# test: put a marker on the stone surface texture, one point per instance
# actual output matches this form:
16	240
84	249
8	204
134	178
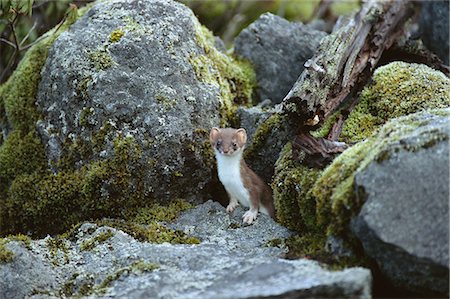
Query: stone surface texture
404	222
434	26
278	50
232	261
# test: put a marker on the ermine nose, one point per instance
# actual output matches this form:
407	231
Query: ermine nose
225	151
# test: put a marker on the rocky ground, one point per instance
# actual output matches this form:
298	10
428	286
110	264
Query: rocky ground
232	261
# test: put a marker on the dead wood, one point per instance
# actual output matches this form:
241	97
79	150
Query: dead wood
342	66
319	152
345	60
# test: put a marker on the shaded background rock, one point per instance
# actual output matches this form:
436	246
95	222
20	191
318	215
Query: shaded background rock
141	71
403	224
434	27
277	49
233	261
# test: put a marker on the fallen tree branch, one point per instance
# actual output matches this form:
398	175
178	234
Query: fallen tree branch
319	151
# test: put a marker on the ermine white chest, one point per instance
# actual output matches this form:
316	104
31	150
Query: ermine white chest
230	176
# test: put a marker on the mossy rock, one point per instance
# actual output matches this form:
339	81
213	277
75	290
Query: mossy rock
97	145
150	72
397	89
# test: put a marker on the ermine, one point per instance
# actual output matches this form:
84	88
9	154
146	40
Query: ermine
242	185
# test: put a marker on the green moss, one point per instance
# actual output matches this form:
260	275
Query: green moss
6	255
116	35
85	114
100	59
135	268
152	232
157	212
21	153
397	89
98	239
22	158
235	78
291	192
57	246
44	203
325	128
272	124
166	102
69	287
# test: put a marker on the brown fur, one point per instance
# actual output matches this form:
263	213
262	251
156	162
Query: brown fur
259	191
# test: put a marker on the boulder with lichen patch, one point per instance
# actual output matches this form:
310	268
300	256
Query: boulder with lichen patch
117	116
403	223
278	50
149	72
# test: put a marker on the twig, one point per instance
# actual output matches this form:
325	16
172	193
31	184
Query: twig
7	42
43	36
28	34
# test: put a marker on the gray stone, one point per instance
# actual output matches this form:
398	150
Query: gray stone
404	222
277	49
26	274
232	261
143	86
251	117
269	139
434	27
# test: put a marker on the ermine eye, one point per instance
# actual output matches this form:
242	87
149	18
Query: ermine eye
234	145
218	144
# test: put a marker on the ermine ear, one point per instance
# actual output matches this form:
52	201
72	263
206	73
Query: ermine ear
241	136
214	135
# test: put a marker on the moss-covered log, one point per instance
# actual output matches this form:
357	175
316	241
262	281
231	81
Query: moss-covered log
345	60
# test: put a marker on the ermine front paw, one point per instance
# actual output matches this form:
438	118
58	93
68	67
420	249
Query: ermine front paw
250	216
231	207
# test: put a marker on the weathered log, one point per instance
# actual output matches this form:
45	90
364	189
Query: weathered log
345	60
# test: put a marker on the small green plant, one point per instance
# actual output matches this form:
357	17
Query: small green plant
98	239
6	255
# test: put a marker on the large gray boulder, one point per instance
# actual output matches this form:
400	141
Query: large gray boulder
232	261
404	222
141	71
278	50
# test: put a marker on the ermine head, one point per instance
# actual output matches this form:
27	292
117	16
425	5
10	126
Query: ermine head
228	141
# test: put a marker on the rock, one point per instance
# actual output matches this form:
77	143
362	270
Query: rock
251	117
434	27
38	273
232	261
404	222
146	72
277	49
270	137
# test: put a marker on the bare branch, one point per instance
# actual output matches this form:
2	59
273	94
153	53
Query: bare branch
7	42
28	34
